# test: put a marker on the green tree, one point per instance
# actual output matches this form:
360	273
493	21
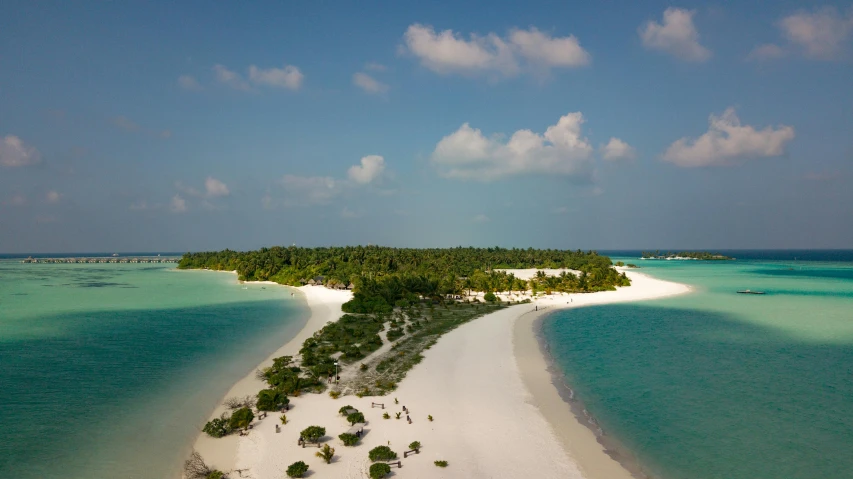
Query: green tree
382	453
218	427
297	469
313	433
415	446
343	411
348	439
490	297
241	418
379	470
355	417
271	400
326	453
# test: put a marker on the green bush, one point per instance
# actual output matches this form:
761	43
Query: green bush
297	469
343	411
415	445
355	417
348	439
218	427
271	400
490	297
241	418
382	453
216	475
327	453
441	463
313	433
379	470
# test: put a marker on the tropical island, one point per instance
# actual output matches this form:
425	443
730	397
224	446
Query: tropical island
376	313
685	255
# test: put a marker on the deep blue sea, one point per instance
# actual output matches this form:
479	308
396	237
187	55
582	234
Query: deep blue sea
720	385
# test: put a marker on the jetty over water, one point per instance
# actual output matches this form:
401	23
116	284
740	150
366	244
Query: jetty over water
106	259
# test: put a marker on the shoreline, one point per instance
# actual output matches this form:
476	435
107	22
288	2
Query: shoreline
324	306
598	455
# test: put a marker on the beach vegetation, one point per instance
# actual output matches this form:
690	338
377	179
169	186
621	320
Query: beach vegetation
440	463
385	415
271	400
348	439
238	402
297	469
326	453
218	427
283	419
241	418
490	297
397	415
313	433
334	394
196	468
429	418
379	470
382	453
343	411
415	446
355	417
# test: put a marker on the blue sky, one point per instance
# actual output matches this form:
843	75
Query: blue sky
128	126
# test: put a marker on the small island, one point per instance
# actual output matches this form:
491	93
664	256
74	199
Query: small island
685	255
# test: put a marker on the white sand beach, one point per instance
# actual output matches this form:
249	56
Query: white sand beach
486	384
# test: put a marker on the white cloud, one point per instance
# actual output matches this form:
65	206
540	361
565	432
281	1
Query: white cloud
543	49
468	154
14	152
215	188
188	82
15	200
368	83
289	77
230	78
616	149
310	189
350	214
447	52
676	36
178	204
820	34
370	168
52	196
140	205
481	219
727	141
768	51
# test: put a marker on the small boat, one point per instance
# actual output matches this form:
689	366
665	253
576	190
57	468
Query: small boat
749	291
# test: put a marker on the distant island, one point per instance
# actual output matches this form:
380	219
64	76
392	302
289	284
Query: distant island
685	255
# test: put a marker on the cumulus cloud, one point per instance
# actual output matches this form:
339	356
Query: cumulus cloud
289	77
188	82
727	141
178	204
469	155
15	153
820	34
369	169
125	123
215	188
368	83
230	78
52	196
481	218
15	200
309	189
616	149
447	52
676	35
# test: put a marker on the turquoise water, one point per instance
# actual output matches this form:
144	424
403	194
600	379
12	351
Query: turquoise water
109	370
715	384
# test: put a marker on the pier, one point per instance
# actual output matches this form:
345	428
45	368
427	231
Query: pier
105	260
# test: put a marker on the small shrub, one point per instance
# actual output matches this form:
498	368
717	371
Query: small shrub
379	470
313	433
343	411
241	418
283	419
297	469
216	475
348	439
441	463
382	453
326	453
397	415
363	367
334	394
430	418
490	297
386	416
355	417
396	401
218	427
415	446
271	400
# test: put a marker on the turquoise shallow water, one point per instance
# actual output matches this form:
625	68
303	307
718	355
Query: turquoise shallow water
109	370
714	384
